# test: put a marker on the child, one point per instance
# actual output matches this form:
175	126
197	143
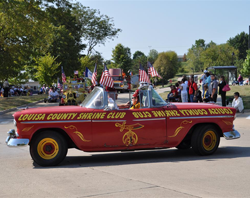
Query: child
205	95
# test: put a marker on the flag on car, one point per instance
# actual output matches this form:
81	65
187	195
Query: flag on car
143	75
75	72
94	76
106	79
88	73
152	72
63	76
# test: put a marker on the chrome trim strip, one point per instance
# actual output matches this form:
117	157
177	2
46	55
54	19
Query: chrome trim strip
108	120
150	119
48	122
199	117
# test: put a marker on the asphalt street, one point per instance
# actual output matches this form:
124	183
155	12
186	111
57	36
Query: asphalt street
157	173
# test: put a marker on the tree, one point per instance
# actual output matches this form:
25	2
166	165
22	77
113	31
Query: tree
152	56
246	65
138	58
24	31
96	28
167	64
240	42
194	54
218	55
89	61
46	69
121	57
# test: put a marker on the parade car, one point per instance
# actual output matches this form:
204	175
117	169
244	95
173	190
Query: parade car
73	93
98	125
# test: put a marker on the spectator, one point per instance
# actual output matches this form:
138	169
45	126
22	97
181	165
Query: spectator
192	89
240	79
184	94
173	94
6	88
213	88
178	91
203	79
221	92
205	95
238	103
208	79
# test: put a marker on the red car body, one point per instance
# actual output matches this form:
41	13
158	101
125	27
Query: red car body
104	129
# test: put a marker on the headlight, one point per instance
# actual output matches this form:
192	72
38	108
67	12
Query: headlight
63	96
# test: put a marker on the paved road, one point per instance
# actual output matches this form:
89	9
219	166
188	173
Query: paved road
158	173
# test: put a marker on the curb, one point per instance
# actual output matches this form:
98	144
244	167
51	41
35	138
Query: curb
15	108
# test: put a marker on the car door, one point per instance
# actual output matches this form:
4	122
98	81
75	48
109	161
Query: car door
107	129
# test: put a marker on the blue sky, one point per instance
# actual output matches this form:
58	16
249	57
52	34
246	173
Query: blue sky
171	25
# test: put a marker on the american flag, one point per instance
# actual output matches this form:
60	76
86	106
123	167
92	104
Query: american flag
94	75
143	75
152	72
106	79
75	72
63	76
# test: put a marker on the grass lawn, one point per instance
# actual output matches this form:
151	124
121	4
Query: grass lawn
244	93
17	101
164	95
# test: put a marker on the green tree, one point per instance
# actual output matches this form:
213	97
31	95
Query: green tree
194	55
121	57
96	28
167	65
24	31
152	56
46	69
246	65
218	55
90	61
138	58
240	42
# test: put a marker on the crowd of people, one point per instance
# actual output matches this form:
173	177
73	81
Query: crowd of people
187	90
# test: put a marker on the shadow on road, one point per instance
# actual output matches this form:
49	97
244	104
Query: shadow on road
156	156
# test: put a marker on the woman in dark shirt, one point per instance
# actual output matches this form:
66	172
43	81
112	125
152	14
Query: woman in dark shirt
222	93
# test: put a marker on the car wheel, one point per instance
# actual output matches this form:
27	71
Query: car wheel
49	148
205	140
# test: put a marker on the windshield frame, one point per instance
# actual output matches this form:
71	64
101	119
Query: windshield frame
91	98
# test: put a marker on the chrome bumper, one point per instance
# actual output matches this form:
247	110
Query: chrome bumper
13	141
231	135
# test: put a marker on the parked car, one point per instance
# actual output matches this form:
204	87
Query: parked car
96	125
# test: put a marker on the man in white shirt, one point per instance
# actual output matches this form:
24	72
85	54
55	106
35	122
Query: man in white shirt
238	103
184	94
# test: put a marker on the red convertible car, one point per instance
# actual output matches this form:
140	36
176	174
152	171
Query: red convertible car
98	125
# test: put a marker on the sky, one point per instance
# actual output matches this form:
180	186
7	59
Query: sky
171	24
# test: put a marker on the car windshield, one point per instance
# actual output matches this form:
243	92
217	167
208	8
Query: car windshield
157	101
95	99
119	78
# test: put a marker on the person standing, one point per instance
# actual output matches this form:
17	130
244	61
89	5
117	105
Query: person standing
203	79
208	79
184	94
192	89
6	88
213	88
221	92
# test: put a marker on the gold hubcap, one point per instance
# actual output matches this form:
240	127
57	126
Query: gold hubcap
47	148
209	140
